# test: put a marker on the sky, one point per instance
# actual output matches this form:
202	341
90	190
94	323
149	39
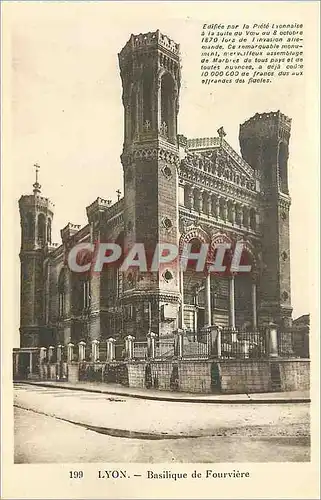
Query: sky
66	110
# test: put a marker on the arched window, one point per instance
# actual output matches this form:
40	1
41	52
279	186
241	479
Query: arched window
196	195
49	231
147	96
133	124
41	228
268	159
283	167
29	226
167	106
222	208
238	214
61	293
186	195
245	216
205	203
231	211
118	275
253	219
86	293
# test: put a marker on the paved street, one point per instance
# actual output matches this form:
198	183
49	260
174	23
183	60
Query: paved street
61	425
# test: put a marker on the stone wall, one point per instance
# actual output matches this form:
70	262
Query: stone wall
195	376
200	377
244	376
136	374
295	375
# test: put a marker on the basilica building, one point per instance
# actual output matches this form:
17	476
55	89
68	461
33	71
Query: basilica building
177	190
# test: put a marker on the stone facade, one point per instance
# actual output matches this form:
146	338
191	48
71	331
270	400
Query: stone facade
176	190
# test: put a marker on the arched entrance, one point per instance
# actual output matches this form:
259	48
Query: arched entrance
193	307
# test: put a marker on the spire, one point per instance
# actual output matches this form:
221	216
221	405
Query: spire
36	185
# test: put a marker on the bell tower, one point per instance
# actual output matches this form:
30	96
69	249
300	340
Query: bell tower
36	214
150	73
264	141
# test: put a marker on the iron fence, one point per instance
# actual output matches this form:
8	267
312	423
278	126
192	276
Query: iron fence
196	345
236	344
293	344
140	350
223	343
165	348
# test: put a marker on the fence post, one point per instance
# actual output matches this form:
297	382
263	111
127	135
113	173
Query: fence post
59	353
50	353
151	350
272	340
95	350
129	346
70	352
43	352
180	343
110	349
215	341
219	342
81	351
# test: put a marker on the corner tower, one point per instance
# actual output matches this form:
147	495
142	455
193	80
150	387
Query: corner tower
150	72
264	141
36	214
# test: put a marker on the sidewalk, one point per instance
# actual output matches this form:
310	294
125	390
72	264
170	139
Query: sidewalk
184	397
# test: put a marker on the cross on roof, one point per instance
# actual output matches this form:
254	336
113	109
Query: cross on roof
118	192
36	185
37	170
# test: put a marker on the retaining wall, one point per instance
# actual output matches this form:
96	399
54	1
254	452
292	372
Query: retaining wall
195	376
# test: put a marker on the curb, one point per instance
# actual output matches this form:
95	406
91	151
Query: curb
249	400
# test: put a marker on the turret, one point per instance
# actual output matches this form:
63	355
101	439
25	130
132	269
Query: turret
264	141
150	72
36	214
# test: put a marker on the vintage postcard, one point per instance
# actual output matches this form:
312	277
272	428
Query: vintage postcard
160	242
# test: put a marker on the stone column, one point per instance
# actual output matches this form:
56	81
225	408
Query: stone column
151	346
181	283
217	207
111	349
233	213
208	314
242	215
246	217
208	204
254	306
191	197
95	350
129	346
70	352
225	210
200	201
232	302
81	351
272	338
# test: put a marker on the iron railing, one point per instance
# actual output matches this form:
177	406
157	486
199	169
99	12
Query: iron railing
293	344
140	350
165	348
236	344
